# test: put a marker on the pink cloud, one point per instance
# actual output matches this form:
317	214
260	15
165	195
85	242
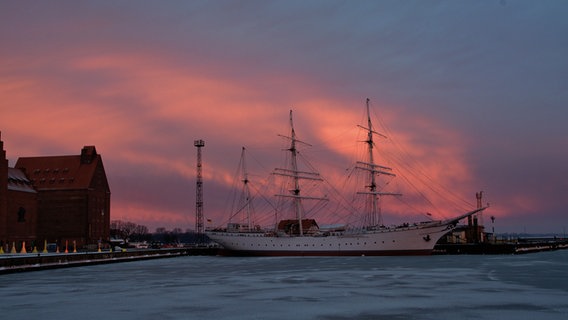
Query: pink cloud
141	110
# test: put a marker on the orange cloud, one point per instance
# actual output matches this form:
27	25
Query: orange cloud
146	112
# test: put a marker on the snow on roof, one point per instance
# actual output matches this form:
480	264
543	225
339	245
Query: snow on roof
17	181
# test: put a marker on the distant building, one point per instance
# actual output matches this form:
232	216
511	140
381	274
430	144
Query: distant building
58	199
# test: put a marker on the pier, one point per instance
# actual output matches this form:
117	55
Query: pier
20	262
514	246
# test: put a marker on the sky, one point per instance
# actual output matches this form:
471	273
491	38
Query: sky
473	93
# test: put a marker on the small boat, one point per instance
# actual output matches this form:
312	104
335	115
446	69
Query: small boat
303	236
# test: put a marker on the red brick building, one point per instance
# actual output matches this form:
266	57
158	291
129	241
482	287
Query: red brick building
57	199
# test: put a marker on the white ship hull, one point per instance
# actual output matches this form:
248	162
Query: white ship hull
417	240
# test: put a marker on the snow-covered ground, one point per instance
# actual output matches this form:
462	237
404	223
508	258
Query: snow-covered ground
533	286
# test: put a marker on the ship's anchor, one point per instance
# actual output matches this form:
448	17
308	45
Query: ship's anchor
427	238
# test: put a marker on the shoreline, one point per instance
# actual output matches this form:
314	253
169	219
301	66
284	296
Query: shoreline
25	262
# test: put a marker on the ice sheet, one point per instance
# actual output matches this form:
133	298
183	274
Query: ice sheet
532	286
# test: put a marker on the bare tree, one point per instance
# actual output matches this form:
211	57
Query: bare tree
126	229
141	230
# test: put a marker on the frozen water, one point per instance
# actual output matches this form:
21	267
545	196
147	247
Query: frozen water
532	286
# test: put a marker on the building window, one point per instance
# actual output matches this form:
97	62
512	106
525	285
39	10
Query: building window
21	215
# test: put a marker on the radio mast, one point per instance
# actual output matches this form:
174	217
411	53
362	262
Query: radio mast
199	193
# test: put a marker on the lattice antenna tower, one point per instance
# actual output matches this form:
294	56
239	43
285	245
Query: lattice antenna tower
199	228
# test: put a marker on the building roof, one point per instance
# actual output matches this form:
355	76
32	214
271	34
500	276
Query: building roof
293	225
61	172
17	181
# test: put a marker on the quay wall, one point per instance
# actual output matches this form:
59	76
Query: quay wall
517	247
11	263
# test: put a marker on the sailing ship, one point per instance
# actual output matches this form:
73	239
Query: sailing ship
302	236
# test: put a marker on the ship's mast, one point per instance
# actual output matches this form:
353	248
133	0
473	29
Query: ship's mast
296	176
296	190
374	214
246	191
375	217
242	204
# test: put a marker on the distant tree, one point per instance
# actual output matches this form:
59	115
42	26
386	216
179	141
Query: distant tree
126	230
141	230
165	236
141	234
